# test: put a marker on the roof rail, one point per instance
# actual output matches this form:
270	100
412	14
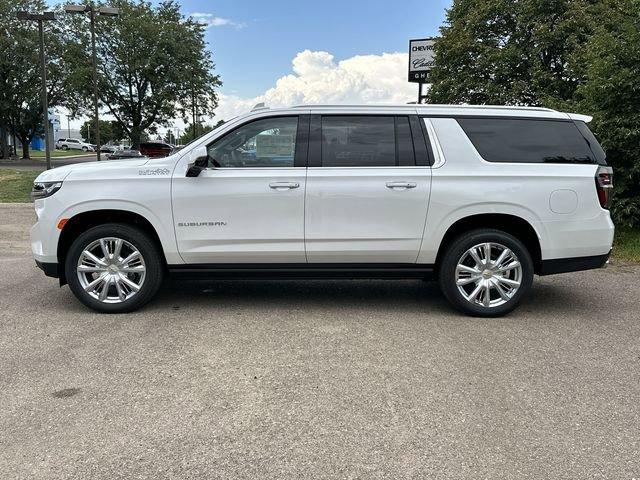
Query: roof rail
433	106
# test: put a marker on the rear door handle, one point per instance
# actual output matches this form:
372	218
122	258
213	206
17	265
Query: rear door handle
284	185
401	185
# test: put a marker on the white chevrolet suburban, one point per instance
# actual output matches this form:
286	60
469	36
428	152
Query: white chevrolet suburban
480	198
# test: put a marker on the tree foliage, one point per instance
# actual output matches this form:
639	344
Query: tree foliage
574	55
110	131
20	75
201	129
611	93
151	60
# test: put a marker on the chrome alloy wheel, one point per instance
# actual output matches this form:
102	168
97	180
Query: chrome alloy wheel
488	274
111	270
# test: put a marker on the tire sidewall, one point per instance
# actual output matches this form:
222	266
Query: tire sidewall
141	241
460	245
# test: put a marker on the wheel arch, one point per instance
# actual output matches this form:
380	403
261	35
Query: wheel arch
80	222
511	224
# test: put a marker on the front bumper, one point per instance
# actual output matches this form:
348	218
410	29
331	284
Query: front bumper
49	269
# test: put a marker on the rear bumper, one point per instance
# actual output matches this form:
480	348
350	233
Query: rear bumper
575	264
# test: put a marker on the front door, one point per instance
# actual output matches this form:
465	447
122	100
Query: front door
368	193
248	206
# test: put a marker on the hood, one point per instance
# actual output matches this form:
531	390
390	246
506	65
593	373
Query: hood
58	174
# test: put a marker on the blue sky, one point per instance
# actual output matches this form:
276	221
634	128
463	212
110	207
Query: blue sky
286	52
258	44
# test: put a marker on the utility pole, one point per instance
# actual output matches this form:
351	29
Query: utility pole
193	113
96	115
106	12
41	18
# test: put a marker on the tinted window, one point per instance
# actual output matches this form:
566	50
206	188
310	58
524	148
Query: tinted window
264	143
527	141
366	141
597	150
404	142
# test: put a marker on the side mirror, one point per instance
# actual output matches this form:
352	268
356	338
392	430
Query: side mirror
200	162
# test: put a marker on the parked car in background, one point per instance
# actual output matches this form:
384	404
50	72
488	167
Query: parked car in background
480	198
108	149
73	144
124	154
155	149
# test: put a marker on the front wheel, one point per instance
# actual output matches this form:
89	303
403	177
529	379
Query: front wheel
114	268
486	273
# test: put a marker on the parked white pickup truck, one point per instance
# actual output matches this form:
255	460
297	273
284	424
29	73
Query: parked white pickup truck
479	198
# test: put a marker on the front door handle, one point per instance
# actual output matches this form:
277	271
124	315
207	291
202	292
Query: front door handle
284	185
401	185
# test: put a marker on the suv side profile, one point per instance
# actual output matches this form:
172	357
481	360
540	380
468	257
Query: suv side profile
73	144
480	198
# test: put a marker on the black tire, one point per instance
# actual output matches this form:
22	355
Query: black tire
142	242
64	147
456	251
85	149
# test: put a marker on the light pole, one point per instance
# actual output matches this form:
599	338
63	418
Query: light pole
41	18
103	12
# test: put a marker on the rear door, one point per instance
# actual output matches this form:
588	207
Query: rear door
248	206
368	185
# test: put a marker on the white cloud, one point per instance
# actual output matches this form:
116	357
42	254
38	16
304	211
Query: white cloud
317	78
210	20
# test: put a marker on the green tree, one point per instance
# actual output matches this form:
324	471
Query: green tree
148	58
107	133
201	129
573	55
512	53
611	93
20	77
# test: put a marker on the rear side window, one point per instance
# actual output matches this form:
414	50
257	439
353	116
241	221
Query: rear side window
597	150
527	141
358	141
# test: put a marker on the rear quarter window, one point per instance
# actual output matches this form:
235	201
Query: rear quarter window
528	141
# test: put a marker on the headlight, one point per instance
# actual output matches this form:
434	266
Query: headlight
44	189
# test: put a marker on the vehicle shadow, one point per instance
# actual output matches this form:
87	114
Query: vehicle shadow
378	295
286	293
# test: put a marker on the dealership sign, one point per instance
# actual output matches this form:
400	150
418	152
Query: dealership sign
421	59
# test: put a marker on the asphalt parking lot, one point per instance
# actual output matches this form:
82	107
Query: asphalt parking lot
321	379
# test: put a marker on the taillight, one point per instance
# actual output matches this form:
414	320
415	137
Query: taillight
604	184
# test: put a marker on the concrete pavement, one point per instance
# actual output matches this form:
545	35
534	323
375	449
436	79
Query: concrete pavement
316	379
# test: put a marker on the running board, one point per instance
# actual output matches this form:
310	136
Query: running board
303	270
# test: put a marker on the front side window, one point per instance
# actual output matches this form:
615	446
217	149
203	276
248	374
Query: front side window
270	142
358	141
527	141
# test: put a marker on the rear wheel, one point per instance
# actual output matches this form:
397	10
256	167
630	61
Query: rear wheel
64	147
114	268
486	273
